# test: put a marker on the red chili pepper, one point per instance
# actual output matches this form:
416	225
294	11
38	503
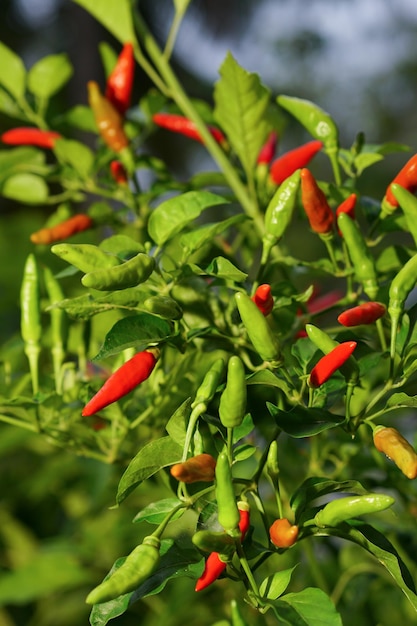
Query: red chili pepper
268	149
64	230
184	126
366	313
322	303
120	81
214	565
118	172
330	362
122	381
264	299
315	204
27	136
293	160
348	206
108	119
407	178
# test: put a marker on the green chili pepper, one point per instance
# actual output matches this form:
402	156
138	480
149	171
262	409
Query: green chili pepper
232	407
272	467
30	324
228	512
318	123
279	212
408	203
362	260
207	389
128	274
59	325
399	290
260	333
164	306
343	509
85	256
326	344
209	541
137	568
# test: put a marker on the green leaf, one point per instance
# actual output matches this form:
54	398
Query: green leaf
79	116
12	72
156	512
241	106
177	424
268	378
304	422
399	400
366	159
122	246
75	154
135	331
243	452
49	75
171	216
114	15
108	57
223	268
309	607
8	105
275	585
149	460
316	487
199	237
21	159
392	259
84	307
27	188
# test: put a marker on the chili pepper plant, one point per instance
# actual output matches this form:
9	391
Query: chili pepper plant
177	326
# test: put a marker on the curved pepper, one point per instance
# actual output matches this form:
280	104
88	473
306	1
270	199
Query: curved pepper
184	126
407	178
295	159
128	274
318	123
330	363
397	448
197	468
28	136
365	313
279	212
108	119
349	507
85	256
73	225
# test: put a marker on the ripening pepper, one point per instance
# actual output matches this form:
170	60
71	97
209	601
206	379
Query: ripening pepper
315	204
73	225
397	448
28	136
120	81
295	159
283	534
108	119
123	381
197	468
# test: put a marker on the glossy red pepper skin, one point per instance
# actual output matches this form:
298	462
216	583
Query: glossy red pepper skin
293	160
73	225
268	149
122	381
120	81
407	178
348	206
264	299
366	313
331	362
214	565
27	136
118	172
184	126
315	204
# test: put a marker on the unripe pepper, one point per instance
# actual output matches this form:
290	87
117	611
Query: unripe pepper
362	260
210	541
197	468
315	204
400	287
331	362
365	313
295	159
407	178
123	381
108	119
184	126
30	322
228	512
28	136
135	570
211	380
259	332
283	534
59	325
128	274
232	406
349	507
85	256
118	172
397	448
216	563
318	123
120	81
264	299
73	225
279	212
